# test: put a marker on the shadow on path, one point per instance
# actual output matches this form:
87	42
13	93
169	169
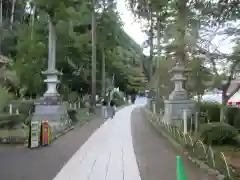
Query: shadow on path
155	155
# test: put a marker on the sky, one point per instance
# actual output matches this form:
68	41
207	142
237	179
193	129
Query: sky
133	29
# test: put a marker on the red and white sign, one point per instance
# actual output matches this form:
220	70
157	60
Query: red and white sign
235	99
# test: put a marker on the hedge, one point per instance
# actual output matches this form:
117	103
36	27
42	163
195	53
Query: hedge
9	121
118	99
211	112
218	133
24	106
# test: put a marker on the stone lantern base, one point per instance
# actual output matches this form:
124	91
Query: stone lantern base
53	111
50	107
173	113
178	99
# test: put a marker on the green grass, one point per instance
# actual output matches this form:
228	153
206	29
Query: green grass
82	114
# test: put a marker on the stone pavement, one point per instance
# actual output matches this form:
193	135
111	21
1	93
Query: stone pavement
107	155
44	163
155	155
123	148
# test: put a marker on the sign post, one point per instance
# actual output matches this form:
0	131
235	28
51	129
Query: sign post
34	134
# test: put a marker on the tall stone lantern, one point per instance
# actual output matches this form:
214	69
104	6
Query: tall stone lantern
49	106
178	99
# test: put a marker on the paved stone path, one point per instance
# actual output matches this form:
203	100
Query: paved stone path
123	148
107	155
155	155
44	163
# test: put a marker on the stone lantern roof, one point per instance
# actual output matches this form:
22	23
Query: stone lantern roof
179	68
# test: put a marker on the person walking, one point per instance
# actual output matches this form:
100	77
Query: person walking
112	108
133	98
104	109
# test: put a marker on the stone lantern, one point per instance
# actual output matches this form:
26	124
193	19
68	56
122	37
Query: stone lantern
178	99
50	106
179	93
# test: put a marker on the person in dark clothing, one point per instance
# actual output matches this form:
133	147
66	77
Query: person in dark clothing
133	97
104	108
112	108
112	103
104	102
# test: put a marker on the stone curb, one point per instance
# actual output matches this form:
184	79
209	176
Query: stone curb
63	132
69	129
211	172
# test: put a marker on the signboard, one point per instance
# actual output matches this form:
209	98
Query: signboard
34	134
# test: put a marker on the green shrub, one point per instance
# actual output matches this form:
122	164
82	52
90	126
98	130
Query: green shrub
119	102
73	96
72	113
25	107
233	116
27	120
118	98
8	121
211	112
5	97
82	103
218	133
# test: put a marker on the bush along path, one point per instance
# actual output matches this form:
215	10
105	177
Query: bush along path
205	156
14	121
78	117
14	127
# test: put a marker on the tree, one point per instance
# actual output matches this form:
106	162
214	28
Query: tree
25	41
199	77
189	28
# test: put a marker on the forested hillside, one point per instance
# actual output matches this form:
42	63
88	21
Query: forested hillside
24	40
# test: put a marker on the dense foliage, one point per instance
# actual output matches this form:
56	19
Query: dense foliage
218	133
24	39
210	112
192	32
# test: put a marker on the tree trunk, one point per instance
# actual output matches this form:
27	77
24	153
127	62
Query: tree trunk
12	12
158	96
1	12
223	109
1	21
93	70
150	62
196	116
158	39
103	74
32	20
